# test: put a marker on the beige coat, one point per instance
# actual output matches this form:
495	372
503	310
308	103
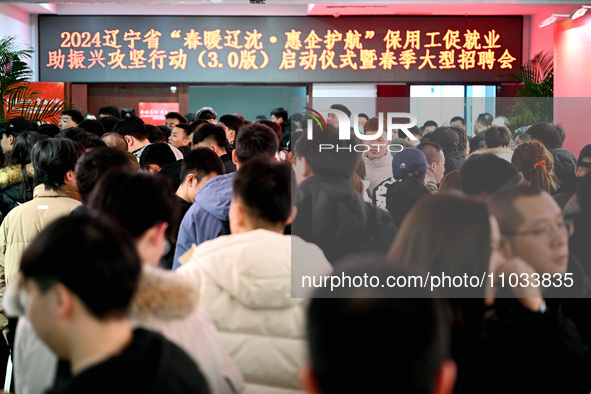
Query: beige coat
377	170
245	281
22	225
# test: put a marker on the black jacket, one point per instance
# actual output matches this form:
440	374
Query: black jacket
398	196
454	161
11	187
477	142
564	168
150	364
334	216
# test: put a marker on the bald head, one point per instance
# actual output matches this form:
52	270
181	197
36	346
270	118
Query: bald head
114	140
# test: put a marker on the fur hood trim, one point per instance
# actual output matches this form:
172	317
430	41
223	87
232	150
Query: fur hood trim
13	174
163	295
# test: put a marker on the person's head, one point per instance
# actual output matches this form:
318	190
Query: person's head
207	113
109	110
497	137
451	181
487	173
70	118
172	119
521	135
458	121
311	160
48	129
231	124
66	290
261	196
179	136
501	121
435	158
462	138
584	193
155	157
199	166
94	164
133	130
482	122
410	163
13	129
143	204
429	127
350	332
444	136
276	128
154	134
532	228
54	160
378	147
551	135
583	162
115	140
417	132
279	115
254	140
23	145
332	118
93	127
361	120
212	137
89	141
449	232
536	163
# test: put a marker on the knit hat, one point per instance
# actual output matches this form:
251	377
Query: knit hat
487	173
585	152
409	163
18	125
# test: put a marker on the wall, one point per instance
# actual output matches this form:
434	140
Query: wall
572	80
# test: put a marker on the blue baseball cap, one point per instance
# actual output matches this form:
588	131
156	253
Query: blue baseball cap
409	163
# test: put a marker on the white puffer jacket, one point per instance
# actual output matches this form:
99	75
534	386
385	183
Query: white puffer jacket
244	282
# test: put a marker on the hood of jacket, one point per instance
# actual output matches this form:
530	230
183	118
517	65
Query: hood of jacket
215	196
12	175
163	295
255	268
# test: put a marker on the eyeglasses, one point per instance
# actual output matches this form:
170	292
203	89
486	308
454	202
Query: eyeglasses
564	227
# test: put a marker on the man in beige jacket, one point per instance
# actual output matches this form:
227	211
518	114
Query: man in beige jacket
56	195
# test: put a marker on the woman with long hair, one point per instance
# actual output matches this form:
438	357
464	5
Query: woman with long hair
16	179
537	165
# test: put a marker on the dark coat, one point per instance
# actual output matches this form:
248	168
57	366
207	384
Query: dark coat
334	216
477	142
398	196
150	364
564	168
11	179
454	161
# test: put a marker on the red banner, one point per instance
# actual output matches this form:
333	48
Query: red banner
153	113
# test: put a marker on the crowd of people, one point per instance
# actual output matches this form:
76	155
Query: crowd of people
201	256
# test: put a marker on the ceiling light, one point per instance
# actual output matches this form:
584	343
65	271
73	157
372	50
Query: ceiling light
551	19
579	13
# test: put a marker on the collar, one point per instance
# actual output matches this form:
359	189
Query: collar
63	191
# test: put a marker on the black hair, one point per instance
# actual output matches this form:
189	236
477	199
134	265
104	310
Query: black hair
206	114
166	132
232	122
201	162
154	133
551	135
48	129
137	201
159	153
456	118
133	126
70	133
431	149
177	116
185	149
255	139
94	164
503	207
362	115
75	115
92	126
21	155
430	123
89	141
485	119
85	254
336	162
279	112
372	322
108	123
264	190
109	110
462	138
52	158
497	136
213	132
342	108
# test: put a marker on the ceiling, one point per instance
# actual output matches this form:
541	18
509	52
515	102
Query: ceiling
293	7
